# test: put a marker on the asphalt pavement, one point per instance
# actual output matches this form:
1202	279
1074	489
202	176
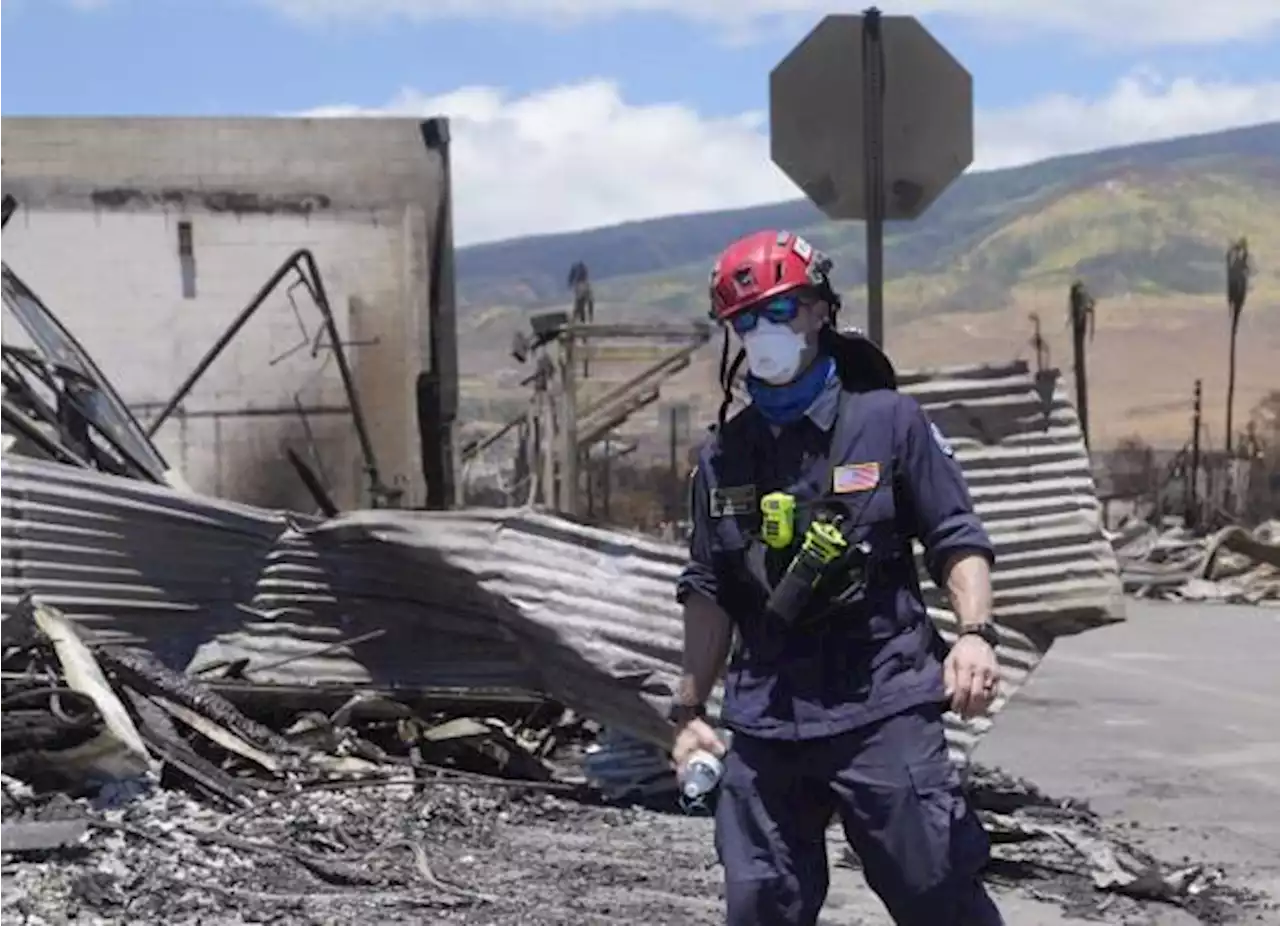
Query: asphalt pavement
1169	721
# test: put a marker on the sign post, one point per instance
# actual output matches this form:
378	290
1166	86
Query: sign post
872	118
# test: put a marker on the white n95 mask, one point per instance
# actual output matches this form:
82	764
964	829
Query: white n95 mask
773	352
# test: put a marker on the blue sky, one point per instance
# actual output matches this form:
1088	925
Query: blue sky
240	56
690	77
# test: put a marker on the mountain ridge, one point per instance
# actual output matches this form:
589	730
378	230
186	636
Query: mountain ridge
531	270
1145	227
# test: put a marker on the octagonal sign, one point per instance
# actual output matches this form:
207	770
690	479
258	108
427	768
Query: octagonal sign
816	123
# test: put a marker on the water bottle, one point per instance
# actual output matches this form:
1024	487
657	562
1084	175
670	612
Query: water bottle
700	776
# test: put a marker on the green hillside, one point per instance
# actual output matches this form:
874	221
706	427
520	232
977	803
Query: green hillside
1150	219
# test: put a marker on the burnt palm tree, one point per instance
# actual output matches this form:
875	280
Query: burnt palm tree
1239	270
1080	315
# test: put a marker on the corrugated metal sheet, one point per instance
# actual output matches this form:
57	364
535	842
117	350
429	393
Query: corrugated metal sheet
129	558
183	571
516	599
1019	441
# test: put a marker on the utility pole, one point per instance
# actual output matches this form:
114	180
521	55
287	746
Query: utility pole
1193	481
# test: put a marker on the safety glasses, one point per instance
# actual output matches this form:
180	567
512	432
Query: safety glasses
780	311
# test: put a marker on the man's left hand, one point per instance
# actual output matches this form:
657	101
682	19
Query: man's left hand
972	675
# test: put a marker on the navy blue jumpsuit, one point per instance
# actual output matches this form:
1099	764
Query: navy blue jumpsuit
843	714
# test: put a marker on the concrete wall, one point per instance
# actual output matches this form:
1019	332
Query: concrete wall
96	235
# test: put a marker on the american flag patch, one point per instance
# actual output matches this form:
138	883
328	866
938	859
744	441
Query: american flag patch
855	477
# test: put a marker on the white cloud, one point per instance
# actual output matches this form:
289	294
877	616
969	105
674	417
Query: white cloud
581	156
1141	107
1130	22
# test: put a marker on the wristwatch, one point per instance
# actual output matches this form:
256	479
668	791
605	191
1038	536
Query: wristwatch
680	714
986	630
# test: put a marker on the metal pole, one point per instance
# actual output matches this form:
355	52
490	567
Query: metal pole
873	163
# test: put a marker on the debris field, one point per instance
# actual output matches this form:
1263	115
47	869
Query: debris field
337	819
1233	565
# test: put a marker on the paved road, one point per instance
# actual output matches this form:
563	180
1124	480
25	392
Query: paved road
1170	720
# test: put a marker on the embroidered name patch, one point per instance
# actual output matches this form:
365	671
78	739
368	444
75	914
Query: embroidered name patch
730	501
855	477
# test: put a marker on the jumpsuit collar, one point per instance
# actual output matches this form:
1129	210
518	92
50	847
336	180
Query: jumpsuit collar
822	411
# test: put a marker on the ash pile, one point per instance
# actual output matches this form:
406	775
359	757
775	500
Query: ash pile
134	793
1171	562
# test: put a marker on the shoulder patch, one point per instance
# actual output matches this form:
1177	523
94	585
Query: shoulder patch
940	439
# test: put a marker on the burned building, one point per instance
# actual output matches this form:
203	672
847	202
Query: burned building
150	236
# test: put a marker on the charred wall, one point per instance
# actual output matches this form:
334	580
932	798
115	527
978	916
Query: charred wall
148	236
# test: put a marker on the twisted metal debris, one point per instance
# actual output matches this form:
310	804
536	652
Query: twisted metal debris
1234	565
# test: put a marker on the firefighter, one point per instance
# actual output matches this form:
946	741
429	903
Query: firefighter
835	691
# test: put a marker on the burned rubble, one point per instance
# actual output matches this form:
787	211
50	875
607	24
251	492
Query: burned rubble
1233	565
136	794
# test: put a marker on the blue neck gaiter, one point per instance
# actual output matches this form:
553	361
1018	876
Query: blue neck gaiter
784	404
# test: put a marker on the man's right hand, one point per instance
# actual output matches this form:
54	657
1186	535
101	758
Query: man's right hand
694	735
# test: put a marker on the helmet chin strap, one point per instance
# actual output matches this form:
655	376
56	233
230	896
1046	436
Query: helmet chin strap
728	372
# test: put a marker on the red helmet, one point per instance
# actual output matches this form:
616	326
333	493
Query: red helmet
761	266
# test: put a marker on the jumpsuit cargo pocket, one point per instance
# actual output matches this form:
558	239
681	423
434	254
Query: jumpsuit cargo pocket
955	846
